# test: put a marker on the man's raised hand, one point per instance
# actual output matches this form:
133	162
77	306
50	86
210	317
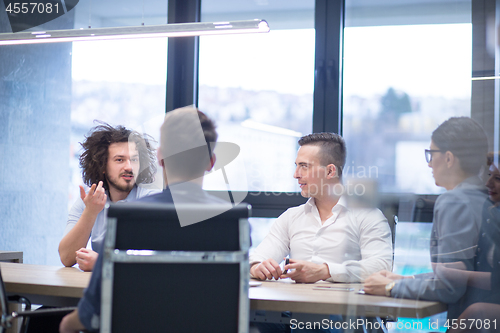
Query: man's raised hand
95	199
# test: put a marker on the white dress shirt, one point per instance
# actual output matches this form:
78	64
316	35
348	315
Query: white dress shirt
354	243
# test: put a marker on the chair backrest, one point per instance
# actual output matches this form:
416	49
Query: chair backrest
406	207
3	306
389	205
161	277
423	208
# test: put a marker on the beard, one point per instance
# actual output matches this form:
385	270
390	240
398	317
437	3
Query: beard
121	184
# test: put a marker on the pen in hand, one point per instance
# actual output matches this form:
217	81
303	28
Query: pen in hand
287	261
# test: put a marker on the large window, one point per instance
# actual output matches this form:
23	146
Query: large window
401	80
259	88
49	98
120	82
407	68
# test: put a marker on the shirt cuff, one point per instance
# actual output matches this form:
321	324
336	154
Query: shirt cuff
254	262
338	272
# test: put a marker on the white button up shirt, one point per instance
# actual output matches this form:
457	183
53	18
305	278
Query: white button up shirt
354	243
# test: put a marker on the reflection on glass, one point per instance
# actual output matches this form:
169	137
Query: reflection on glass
114	13
98	14
259	89
259	228
400	83
120	82
407	68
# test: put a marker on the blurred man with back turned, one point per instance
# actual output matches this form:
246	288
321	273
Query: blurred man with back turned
188	138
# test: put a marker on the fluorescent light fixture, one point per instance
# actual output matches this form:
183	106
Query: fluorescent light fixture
485	78
165	30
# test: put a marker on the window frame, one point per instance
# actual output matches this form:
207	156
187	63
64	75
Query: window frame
182	79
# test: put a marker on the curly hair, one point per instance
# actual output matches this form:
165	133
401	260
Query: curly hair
94	158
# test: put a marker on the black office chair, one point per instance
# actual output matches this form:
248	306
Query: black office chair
389	204
423	208
161	277
7	319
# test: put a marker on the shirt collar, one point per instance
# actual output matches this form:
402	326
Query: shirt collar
132	195
185	185
473	182
341	204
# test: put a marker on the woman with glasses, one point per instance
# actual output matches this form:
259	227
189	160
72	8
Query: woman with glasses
456	156
484	282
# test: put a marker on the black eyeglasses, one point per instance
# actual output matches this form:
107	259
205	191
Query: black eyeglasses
428	154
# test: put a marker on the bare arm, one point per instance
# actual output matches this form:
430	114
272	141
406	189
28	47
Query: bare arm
457	272
79	235
480	280
71	323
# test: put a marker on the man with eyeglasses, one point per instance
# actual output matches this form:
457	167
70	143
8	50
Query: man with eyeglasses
457	155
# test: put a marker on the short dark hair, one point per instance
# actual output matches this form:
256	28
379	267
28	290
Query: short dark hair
490	158
94	158
465	139
332	148
181	129
209	131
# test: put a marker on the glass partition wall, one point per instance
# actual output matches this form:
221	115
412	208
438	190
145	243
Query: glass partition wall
52	95
259	88
406	67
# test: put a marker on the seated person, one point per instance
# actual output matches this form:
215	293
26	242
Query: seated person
113	162
456	156
483	291
186	127
478	318
325	239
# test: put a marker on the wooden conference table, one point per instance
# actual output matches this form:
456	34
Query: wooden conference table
48	285
316	299
63	286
